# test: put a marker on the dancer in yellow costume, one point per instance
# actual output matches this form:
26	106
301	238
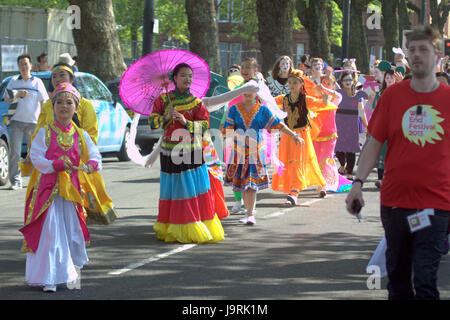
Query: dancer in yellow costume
98	205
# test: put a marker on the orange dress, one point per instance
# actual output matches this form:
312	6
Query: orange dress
301	169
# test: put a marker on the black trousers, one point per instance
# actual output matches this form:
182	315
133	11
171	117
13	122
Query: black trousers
412	259
347	157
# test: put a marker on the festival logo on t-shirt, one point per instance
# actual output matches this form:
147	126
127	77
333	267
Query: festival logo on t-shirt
421	125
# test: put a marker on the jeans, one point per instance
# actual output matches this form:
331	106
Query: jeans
17	130
412	259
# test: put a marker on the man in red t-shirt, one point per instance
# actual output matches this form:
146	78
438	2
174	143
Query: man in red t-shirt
413	116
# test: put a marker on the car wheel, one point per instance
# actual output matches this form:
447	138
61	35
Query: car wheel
122	154
4	162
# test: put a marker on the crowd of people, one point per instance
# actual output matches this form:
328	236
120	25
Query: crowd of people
312	115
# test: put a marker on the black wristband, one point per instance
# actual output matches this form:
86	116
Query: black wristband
360	181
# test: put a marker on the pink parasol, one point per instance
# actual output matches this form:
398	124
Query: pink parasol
148	77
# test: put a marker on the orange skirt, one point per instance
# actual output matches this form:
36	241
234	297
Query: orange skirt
301	169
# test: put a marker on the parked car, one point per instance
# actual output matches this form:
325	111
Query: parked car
113	121
145	136
4	154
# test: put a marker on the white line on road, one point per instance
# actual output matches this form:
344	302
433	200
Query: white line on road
152	259
190	246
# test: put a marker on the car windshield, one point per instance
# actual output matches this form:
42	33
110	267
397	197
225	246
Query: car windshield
94	89
2	89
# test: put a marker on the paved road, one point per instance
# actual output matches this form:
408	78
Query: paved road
313	251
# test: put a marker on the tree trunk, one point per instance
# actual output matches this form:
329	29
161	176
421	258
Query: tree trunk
275	30
134	44
358	47
97	40
389	23
404	23
203	29
314	18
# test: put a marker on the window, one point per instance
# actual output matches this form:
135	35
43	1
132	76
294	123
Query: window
230	53
300	51
223	46
96	90
380	57
2	88
235	53
82	88
230	11
237	11
223	11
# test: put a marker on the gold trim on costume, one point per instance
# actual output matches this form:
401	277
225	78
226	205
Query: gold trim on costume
63	68
64	139
328	138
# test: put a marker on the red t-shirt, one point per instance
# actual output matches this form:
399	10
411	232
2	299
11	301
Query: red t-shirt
417	164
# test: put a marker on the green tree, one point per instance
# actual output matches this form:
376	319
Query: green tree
313	16
358	39
173	20
248	29
55	4
439	13
389	23
204	31
275	30
97	40
129	14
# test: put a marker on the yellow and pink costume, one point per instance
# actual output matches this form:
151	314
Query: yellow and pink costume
55	231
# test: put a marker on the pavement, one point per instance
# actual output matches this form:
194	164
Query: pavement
315	251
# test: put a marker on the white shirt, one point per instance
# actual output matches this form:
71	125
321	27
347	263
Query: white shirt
28	108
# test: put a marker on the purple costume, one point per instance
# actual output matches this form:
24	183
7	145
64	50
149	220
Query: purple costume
347	122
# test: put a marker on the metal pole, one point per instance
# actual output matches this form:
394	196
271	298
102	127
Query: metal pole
148	22
345	28
423	12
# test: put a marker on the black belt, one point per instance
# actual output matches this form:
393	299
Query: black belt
347	111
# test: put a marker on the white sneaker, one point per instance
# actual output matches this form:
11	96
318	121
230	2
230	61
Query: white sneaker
251	220
236	207
17	185
291	200
50	289
244	219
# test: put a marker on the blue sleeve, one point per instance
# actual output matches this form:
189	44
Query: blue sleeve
230	118
269	119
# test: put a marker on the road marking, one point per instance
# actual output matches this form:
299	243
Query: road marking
151	259
190	246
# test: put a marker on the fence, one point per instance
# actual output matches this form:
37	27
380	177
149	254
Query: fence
34	47
131	51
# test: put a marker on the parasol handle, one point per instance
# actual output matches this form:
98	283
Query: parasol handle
170	100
